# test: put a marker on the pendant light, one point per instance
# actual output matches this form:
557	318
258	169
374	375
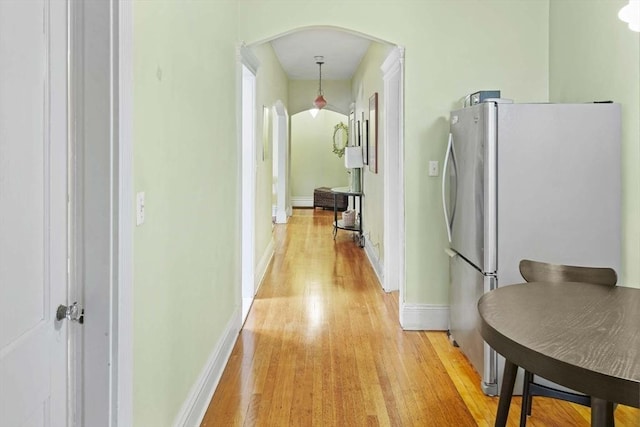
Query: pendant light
320	102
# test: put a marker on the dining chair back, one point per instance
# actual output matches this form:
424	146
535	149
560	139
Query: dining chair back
536	271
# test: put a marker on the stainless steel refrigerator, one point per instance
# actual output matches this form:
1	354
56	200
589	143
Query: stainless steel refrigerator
537	181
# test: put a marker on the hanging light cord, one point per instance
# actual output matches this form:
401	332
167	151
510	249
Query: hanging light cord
320	102
320	81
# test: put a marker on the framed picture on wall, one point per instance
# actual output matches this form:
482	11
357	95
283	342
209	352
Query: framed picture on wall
365	144
373	133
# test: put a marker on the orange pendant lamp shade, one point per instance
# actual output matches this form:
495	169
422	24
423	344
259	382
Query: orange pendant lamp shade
320	102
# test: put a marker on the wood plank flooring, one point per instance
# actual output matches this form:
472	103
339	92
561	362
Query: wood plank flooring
322	346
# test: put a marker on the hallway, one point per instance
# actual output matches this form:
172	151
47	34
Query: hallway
322	346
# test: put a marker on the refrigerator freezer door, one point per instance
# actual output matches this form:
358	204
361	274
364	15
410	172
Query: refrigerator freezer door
559	188
472	129
467	286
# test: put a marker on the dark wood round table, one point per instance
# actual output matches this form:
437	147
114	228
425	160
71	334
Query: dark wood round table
583	336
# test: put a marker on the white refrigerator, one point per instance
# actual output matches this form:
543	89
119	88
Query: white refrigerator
537	181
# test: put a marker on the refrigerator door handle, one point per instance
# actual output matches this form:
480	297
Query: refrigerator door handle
454	165
448	156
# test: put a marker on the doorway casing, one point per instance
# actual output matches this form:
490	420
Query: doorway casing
393	192
249	67
281	162
393	270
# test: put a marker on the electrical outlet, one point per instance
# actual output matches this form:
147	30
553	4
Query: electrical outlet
433	168
140	208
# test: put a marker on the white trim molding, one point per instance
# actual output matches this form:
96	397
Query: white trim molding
281	145
248	58
374	260
247	69
393	153
424	317
302	201
122	402
263	264
195	405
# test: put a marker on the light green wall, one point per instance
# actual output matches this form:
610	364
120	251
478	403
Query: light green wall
594	56
367	80
186	254
186	155
271	86
313	163
452	48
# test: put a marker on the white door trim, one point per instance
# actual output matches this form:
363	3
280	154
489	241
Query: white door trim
280	141
393	194
103	109
102	47
76	178
121	405
58	121
248	65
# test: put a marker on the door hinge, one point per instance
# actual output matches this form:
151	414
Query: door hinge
72	312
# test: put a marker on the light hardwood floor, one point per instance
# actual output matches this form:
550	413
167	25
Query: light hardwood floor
322	346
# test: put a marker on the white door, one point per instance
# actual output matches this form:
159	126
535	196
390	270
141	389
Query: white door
33	216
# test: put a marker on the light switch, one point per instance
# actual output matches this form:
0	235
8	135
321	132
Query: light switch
140	208
433	168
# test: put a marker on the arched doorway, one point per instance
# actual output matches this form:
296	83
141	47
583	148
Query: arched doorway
385	242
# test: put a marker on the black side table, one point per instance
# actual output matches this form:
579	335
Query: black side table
339	224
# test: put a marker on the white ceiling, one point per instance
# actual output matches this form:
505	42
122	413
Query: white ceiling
342	53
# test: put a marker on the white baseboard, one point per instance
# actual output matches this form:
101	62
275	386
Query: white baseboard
374	260
281	217
424	317
302	201
196	404
263	264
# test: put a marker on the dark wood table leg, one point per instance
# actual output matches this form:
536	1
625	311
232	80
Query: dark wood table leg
601	413
508	380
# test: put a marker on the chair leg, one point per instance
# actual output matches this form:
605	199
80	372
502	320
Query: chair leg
525	408
529	395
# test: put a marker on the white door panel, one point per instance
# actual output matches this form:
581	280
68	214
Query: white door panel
21	173
32	213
